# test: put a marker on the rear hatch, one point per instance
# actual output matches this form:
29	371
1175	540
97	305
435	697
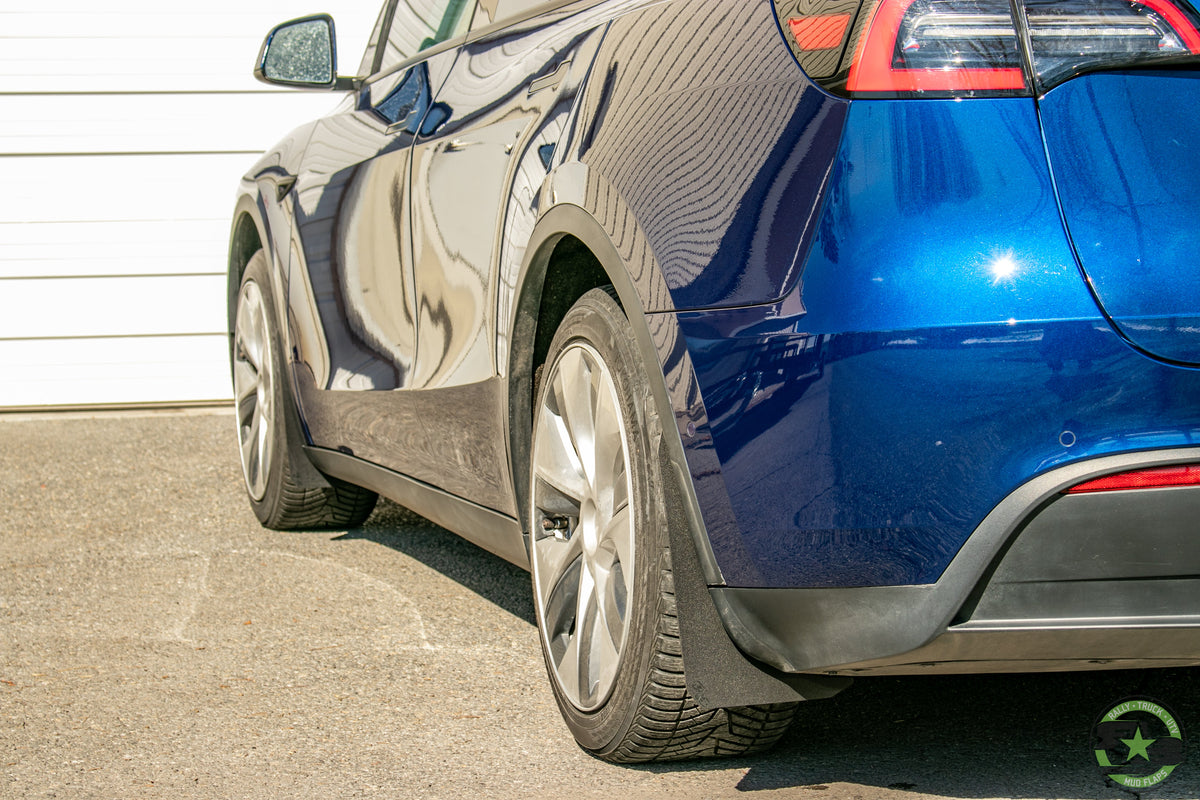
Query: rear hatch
1120	115
1117	84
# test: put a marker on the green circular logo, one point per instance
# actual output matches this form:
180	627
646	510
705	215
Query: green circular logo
1138	743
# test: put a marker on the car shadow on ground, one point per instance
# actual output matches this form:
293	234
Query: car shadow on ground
1013	736
487	575
982	736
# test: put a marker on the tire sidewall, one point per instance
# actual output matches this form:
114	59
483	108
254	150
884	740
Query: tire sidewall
597	320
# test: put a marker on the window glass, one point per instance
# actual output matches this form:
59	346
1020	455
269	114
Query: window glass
418	24
367	65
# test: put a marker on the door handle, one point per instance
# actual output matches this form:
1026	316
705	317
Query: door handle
552	80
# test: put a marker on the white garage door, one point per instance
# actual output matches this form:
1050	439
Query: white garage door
124	127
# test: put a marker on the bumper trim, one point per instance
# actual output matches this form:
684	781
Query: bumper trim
805	630
991	648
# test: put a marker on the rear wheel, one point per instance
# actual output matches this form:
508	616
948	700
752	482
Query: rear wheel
263	420
601	559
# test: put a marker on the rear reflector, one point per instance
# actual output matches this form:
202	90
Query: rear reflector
1159	478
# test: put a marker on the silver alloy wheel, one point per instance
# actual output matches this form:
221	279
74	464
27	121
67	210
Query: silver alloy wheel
583	535
253	388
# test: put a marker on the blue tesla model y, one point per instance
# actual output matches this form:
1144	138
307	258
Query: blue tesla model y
782	342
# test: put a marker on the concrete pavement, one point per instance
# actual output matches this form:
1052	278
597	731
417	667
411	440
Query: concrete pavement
155	641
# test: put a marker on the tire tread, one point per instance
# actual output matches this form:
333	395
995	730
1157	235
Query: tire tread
341	505
668	724
287	504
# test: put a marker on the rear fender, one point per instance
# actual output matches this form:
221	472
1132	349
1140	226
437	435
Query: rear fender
718	674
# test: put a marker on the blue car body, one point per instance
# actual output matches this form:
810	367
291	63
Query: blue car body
895	329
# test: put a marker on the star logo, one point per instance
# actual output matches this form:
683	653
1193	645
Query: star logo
1137	745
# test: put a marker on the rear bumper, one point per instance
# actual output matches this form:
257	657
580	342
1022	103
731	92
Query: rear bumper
1047	581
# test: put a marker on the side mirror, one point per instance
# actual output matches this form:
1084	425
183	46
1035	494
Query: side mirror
302	52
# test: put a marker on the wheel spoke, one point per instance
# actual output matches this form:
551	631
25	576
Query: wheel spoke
245	384
556	561
573	393
568	668
603	646
558	462
617	538
253	388
609	626
610	449
252	451
586	622
250	331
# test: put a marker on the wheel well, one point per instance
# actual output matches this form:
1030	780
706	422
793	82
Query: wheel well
571	272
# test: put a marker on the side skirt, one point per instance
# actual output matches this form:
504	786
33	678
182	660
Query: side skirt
491	530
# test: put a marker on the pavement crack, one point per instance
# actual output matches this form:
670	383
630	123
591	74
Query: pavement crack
194	590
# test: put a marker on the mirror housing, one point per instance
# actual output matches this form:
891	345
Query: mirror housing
301	53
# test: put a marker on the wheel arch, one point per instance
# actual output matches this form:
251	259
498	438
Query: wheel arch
246	237
568	254
249	234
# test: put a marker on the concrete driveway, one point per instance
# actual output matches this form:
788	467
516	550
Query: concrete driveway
156	642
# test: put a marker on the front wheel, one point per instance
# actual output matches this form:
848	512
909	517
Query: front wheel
601	559
263	419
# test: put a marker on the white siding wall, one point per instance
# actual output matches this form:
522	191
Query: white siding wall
124	127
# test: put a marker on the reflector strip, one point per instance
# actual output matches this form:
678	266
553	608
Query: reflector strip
819	33
1159	478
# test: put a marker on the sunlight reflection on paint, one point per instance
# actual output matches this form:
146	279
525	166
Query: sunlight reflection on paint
1003	268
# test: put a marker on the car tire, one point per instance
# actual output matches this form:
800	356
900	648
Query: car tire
266	417
601	559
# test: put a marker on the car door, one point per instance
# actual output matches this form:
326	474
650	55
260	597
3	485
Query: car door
508	97
351	286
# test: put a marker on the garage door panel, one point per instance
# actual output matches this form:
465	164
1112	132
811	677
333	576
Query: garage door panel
115	371
155	247
89	65
120	188
69	47
160	123
90	307
209	262
124	128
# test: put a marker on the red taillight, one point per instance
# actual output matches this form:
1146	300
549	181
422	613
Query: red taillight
956	48
919	46
1177	22
1159	478
1070	36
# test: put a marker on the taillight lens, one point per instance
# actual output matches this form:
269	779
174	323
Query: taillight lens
961	48
1158	478
940	46
1067	38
